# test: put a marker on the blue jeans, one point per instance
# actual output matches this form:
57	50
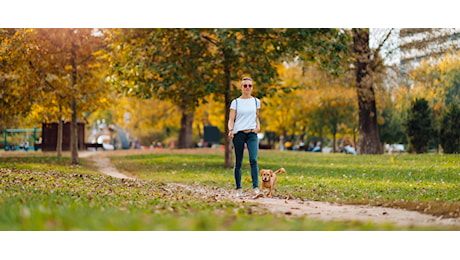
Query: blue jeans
252	142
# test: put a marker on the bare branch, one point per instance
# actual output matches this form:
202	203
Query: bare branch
385	40
209	39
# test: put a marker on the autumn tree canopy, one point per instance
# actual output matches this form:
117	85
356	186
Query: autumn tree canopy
55	74
60	73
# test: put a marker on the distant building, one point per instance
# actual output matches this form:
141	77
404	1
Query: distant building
418	44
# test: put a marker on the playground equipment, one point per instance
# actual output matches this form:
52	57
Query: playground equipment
24	144
46	138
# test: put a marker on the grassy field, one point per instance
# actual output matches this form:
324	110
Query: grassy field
47	193
427	183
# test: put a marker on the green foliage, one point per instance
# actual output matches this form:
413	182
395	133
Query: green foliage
438	82
186	65
329	48
391	131
452	88
238	52
172	64
419	126
450	129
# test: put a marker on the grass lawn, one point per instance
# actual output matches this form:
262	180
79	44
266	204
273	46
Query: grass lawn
47	193
427	183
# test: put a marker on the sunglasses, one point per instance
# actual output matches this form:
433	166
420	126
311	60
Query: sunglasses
247	86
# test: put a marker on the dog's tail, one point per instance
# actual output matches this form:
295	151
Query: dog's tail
280	170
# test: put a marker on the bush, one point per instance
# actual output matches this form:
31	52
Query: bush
419	126
450	129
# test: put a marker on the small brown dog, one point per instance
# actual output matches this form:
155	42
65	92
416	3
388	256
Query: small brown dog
269	180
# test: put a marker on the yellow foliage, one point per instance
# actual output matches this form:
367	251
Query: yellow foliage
210	113
140	116
431	80
315	92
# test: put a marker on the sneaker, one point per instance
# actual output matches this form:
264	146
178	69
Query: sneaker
239	193
257	193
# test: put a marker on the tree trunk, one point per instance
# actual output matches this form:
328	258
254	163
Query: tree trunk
321	139
59	134
334	140
186	130
74	132
73	106
369	139
227	141
354	137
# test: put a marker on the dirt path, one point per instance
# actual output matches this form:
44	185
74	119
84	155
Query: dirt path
323	211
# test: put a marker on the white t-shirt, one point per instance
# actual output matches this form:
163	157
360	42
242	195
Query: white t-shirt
246	113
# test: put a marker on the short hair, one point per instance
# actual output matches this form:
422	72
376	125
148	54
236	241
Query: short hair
246	78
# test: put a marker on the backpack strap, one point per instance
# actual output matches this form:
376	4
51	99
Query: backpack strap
236	108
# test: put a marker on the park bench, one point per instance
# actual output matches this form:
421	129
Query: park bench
265	146
93	145
37	146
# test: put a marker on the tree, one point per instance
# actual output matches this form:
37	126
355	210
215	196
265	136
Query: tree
187	65
329	50
452	78
316	102
17	89
69	71
172	64
147	120
336	109
419	126
238	53
450	129
438	81
391	130
256	52
181	63
392	103
367	62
